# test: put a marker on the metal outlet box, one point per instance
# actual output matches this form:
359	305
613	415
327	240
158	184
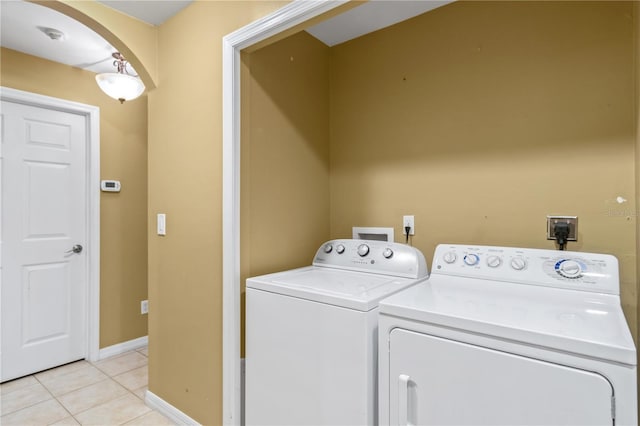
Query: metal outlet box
573	226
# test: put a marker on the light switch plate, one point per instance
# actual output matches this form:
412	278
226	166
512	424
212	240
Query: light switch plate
162	224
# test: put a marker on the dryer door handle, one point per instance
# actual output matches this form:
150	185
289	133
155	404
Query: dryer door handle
403	399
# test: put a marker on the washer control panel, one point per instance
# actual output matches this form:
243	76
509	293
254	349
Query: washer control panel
380	257
551	268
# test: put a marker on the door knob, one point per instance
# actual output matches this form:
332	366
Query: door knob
75	249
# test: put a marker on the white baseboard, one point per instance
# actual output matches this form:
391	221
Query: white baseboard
163	407
243	391
123	347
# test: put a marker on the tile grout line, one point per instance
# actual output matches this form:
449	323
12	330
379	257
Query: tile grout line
120	356
58	401
107	375
3	414
74	390
112	378
53	397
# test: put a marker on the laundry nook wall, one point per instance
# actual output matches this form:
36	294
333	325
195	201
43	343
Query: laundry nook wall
480	118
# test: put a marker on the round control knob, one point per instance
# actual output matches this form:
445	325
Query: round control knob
450	257
340	249
518	263
387	253
471	259
494	261
569	269
363	250
328	248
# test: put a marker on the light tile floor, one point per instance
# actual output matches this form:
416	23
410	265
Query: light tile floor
108	392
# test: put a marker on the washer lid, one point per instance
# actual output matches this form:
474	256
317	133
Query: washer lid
355	290
591	324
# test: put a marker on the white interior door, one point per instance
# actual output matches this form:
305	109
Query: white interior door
44	216
434	381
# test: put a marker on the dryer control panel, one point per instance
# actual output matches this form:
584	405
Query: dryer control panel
550	268
380	257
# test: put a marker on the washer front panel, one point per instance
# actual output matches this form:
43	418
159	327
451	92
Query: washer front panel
307	363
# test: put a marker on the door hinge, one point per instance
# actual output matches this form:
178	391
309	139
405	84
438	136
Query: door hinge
613	407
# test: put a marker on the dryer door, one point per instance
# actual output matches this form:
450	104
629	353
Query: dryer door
435	381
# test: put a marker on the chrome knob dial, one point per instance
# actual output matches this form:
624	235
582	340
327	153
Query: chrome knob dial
387	253
328	248
340	249
363	250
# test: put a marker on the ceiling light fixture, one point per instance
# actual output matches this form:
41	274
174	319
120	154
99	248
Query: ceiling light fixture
120	85
53	34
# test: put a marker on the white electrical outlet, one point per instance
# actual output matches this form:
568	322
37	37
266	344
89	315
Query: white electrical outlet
144	307
408	221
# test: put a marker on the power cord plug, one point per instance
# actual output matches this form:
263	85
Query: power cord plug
561	232
407	229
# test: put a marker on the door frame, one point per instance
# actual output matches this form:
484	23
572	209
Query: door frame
292	15
92	207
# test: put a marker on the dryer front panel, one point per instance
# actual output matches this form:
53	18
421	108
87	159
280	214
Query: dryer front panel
435	381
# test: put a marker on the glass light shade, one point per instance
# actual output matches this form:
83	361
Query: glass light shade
119	86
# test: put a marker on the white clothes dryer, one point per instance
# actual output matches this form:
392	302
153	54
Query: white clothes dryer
508	336
311	334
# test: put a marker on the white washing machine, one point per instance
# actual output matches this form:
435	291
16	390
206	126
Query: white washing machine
508	336
311	334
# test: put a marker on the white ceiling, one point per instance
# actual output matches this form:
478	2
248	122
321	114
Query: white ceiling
81	47
151	11
371	16
21	25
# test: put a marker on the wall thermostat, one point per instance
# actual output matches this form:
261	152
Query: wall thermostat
110	185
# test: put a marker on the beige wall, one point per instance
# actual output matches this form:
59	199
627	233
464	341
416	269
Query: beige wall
285	155
123	152
482	118
185	183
